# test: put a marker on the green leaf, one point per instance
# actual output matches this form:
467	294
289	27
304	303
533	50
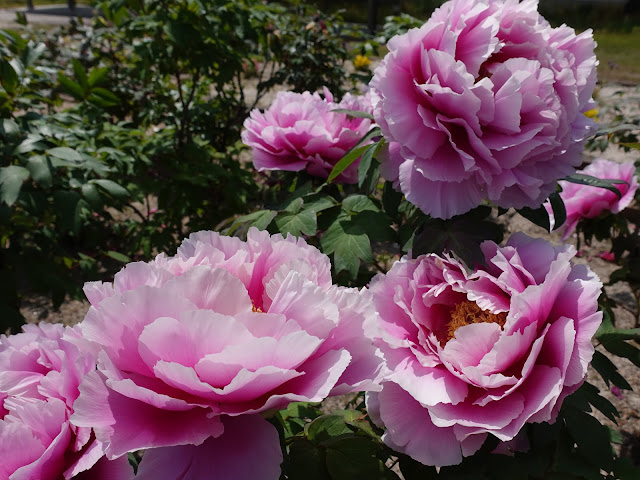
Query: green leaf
8	77
608	371
325	427
11	180
354	457
632	145
618	128
302	410
133	461
10	318
619	275
354	113
353	154
559	211
120	257
260	219
40	169
615	436
591	437
14	38
391	199
97	76
111	187
71	87
103	97
297	223
65	153
606	183
80	74
349	243
306	461
358	203
92	196
31	53
622	349
29	144
70	210
376	225
621	334
346	161
293	205
365	163
318	202
371	181
592	395
461	234
625	470
538	216
9	129
413	470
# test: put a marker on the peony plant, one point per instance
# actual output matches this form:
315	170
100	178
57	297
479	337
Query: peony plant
40	370
302	131
485	101
586	201
466	358
480	353
197	348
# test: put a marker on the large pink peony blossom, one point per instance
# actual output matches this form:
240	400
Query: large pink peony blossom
484	101
40	370
197	346
584	201
300	132
472	354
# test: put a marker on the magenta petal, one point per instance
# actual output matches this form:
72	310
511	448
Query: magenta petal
104	469
124	424
249	449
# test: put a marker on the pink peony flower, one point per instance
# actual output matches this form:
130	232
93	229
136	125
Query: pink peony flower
472	354
40	370
300	132
197	346
584	201
484	101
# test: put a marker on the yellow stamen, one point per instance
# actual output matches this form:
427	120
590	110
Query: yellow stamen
467	313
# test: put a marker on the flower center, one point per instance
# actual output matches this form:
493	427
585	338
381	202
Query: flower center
255	309
466	313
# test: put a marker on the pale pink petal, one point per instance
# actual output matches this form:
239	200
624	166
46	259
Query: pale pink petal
411	431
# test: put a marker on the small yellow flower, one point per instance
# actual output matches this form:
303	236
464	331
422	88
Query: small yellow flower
593	113
361	62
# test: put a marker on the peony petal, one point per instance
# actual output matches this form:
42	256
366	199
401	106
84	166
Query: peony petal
124	424
411	431
249	449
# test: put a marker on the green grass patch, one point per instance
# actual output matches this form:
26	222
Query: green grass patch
619	55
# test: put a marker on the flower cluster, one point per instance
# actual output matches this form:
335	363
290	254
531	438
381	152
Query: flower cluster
586	201
40	370
301	131
480	353
485	101
194	348
188	356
